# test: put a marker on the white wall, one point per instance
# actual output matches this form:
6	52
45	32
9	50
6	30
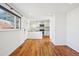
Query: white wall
60	29
73	29
52	28
10	40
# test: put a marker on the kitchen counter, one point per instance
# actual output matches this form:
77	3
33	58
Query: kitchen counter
35	35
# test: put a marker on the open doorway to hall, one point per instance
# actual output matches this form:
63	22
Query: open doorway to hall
39	29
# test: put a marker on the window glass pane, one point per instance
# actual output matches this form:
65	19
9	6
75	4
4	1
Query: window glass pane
17	23
6	20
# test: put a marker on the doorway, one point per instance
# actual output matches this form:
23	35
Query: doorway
41	28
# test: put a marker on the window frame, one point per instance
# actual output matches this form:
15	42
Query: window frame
5	9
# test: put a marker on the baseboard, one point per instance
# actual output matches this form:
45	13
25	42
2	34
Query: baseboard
68	47
59	44
73	49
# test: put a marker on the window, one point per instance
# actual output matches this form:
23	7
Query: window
9	20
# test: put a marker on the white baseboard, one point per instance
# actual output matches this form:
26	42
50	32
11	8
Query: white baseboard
73	48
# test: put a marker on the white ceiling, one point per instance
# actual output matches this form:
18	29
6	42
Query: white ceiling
44	9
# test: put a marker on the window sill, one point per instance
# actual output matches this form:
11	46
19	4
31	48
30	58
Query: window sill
1	30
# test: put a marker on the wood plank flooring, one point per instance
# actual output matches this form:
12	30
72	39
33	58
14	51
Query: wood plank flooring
39	47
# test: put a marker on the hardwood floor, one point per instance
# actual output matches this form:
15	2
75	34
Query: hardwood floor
65	51
39	47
